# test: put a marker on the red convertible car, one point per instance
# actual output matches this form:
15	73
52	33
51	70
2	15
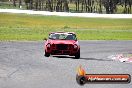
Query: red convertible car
62	43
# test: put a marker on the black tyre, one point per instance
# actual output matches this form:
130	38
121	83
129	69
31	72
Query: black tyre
46	54
77	55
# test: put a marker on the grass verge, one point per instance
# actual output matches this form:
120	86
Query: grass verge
36	27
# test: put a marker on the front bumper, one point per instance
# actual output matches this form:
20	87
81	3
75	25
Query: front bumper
63	52
62	49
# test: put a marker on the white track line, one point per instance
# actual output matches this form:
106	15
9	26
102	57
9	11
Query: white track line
90	15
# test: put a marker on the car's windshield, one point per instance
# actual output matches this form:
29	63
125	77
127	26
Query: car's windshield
57	36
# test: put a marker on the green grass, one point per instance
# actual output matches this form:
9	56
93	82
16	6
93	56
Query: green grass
37	27
9	5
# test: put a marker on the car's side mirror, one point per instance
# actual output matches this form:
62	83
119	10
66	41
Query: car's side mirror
45	39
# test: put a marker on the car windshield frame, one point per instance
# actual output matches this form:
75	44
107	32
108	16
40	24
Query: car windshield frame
62	36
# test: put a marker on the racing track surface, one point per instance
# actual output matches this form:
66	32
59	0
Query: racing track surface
22	65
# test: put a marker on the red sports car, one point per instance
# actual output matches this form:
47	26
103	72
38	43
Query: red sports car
62	43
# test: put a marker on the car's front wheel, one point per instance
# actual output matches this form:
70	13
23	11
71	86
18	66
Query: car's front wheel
77	55
46	54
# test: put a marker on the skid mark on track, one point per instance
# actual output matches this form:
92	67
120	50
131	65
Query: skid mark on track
12	73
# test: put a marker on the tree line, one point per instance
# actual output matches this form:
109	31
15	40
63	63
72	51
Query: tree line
90	6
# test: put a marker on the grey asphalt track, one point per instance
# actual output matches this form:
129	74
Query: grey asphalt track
22	65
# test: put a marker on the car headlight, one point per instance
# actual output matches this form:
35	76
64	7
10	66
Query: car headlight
48	45
75	46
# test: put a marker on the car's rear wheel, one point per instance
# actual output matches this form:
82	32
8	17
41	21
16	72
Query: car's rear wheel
46	54
77	55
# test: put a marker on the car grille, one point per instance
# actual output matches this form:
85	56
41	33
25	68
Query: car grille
62	46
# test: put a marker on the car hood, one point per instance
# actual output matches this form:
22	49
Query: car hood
62	41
